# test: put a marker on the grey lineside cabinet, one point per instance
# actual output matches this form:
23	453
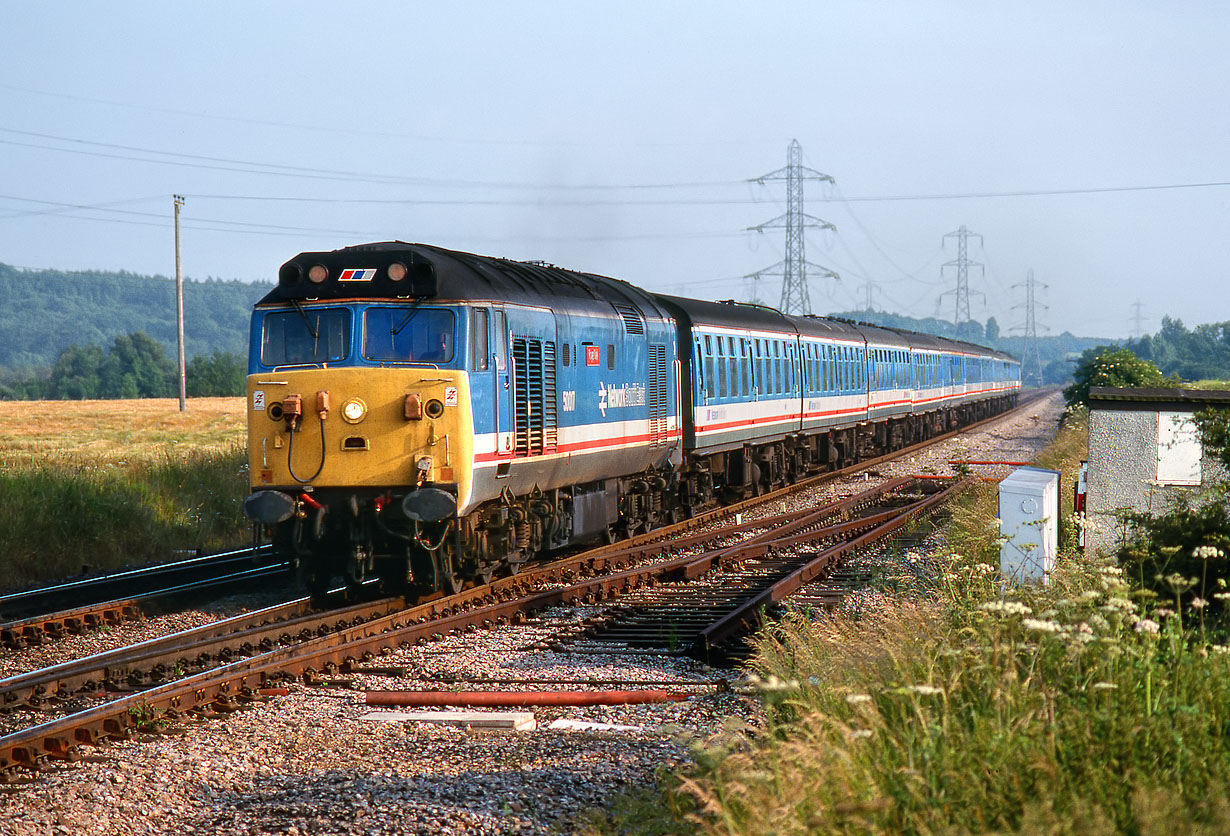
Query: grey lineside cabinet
1029	524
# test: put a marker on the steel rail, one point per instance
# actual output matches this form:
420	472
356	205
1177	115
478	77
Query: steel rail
35	629
122	584
746	616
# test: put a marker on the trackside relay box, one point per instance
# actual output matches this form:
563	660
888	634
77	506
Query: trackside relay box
1029	524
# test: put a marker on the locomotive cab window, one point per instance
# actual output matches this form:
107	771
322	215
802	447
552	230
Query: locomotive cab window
409	335
479	342
304	336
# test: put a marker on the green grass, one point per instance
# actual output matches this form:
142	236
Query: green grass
951	706
109	516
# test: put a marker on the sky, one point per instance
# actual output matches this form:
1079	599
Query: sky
1087	142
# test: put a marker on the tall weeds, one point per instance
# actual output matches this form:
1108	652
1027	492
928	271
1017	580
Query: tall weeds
58	516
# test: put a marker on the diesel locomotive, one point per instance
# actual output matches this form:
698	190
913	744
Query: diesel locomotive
431	417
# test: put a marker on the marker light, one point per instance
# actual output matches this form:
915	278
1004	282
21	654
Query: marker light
354	410
317	273
397	271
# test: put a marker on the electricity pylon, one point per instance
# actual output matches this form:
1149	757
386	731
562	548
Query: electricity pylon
1032	361
793	268
962	263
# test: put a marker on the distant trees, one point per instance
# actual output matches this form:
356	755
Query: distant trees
218	375
1200	354
136	366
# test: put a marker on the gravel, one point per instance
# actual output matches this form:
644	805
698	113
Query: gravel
307	763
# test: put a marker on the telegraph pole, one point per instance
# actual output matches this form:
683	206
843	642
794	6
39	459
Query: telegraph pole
179	309
962	263
793	269
1032	354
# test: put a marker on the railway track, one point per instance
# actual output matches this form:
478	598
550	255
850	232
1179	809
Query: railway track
148	687
226	664
39	615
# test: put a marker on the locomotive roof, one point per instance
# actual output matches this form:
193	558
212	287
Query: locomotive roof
362	272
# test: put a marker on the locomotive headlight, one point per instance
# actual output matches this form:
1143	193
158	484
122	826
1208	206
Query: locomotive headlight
317	273
397	271
354	411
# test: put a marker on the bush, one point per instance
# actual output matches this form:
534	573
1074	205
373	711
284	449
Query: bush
1108	366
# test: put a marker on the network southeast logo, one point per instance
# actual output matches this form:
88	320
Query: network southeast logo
615	397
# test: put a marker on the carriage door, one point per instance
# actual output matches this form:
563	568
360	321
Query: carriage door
503	385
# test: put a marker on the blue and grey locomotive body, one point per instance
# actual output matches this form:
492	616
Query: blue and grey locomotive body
432	417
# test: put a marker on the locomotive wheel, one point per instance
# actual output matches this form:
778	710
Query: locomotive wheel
448	578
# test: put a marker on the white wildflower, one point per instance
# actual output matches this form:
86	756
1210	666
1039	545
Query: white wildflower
1219	648
1090	595
1097	622
1104	686
926	690
860	734
1207	552
1147	625
1199	603
857	699
1006	607
1042	626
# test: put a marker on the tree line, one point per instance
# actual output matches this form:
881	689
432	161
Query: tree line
135	366
46	311
1202	353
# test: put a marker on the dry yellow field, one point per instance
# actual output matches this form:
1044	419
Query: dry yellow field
116	431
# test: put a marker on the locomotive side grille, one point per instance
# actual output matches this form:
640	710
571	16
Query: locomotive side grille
534	408
633	322
658	397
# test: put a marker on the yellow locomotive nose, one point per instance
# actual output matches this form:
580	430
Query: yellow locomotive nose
392	430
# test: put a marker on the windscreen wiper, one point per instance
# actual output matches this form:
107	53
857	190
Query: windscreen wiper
397	329
306	319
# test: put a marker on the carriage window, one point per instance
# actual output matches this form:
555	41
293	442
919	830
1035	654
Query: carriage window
482	349
721	377
305	335
709	377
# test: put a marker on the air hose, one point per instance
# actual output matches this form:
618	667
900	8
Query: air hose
290	456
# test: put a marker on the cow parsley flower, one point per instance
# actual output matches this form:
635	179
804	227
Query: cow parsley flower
1147	625
1042	626
1006	608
